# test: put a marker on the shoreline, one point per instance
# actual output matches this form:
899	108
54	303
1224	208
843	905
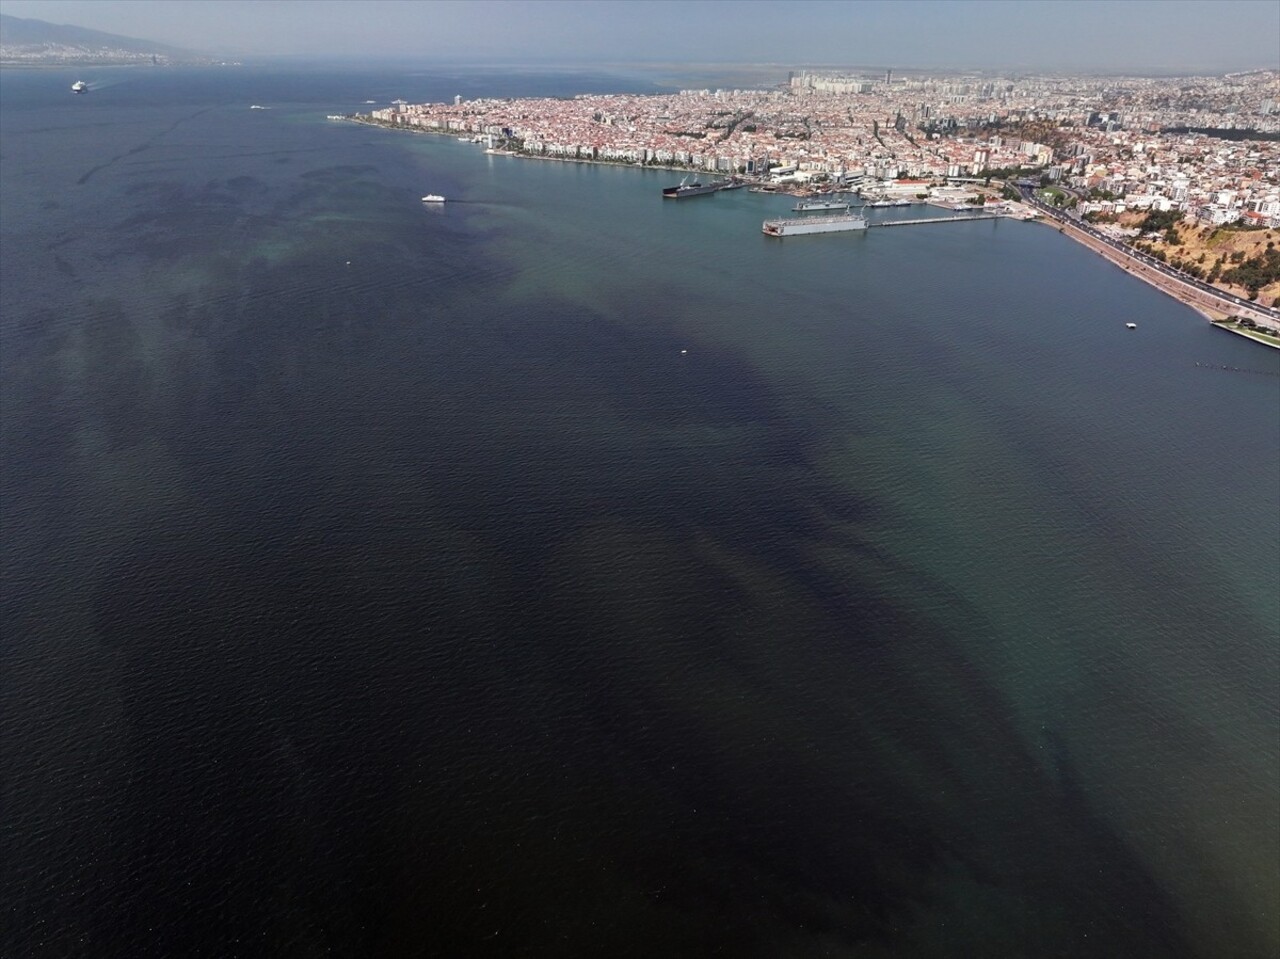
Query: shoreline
1213	311
1168	285
1231	327
1122	261
455	134
750	180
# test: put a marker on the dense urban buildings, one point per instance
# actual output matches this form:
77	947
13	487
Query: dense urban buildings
1140	140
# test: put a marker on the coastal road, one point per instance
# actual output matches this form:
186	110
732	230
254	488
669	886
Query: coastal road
1228	300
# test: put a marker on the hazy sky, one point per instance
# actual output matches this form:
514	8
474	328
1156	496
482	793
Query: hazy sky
1209	35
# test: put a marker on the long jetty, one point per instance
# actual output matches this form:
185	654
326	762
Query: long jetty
962	218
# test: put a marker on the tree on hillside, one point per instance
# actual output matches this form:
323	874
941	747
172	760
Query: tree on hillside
1156	222
1255	272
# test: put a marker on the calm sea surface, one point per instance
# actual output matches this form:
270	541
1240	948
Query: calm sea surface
566	572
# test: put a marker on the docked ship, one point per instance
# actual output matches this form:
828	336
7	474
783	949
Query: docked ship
801	226
832	203
685	189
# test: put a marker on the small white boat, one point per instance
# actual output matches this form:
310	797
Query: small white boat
1131	326
79	87
433	198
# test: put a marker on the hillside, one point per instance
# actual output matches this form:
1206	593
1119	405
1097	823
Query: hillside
1245	262
35	42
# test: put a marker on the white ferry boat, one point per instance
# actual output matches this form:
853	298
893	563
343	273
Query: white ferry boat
433	198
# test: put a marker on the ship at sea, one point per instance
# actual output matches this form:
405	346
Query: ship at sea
687	189
800	226
79	87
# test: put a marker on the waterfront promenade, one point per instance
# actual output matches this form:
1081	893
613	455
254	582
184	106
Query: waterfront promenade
1214	305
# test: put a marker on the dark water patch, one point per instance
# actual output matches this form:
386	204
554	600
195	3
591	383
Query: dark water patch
818	801
340	173
753	837
245	184
107	382
290	634
139	148
40	329
163	191
64	267
117	379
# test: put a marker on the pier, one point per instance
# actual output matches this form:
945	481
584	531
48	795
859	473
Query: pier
962	218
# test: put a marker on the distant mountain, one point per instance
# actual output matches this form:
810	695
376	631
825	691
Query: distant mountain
37	42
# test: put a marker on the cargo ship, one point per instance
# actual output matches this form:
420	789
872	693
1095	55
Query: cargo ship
802	226
685	188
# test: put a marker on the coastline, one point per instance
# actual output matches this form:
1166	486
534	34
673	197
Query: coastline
454	134
520	155
1204	304
1256	336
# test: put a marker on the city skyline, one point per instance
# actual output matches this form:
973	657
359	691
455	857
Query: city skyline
1153	37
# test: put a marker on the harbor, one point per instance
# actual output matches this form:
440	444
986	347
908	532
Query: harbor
856	221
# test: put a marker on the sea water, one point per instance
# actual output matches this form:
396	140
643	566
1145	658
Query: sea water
565	571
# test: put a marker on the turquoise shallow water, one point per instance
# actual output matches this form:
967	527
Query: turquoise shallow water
569	571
